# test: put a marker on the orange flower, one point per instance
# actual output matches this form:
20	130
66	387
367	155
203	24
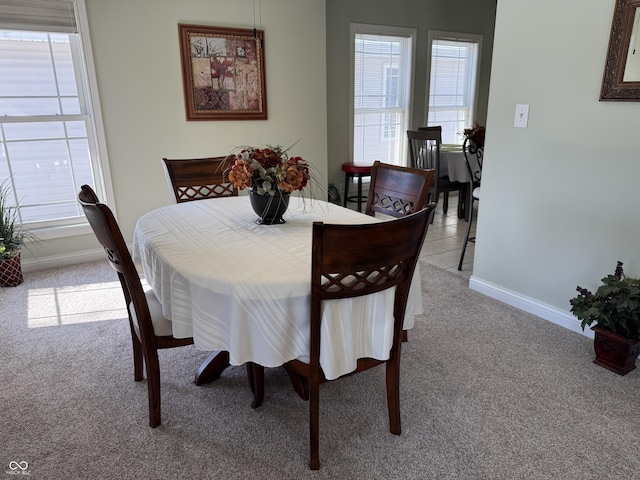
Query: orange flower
240	174
292	180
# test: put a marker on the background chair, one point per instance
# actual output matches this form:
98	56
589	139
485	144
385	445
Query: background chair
424	153
199	178
384	257
355	170
397	191
150	330
470	149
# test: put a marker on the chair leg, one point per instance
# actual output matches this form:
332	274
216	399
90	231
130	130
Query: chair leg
255	374
445	203
314	428
138	361
393	393
462	202
359	193
405	336
347	177
153	387
300	384
466	238
469	203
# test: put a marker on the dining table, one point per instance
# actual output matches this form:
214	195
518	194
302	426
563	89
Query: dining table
242	289
454	165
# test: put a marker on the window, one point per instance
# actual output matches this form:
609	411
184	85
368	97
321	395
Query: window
382	60
454	66
49	140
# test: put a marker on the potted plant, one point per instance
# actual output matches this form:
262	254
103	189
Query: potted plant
12	238
615	308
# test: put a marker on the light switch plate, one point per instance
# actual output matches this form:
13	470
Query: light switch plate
522	116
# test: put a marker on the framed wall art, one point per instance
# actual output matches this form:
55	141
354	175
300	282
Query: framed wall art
223	73
621	80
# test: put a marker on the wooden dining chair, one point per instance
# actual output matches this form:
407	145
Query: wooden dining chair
150	330
397	191
424	153
199	178
475	151
384	257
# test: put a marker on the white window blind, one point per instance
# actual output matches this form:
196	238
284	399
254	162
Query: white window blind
382	66
38	15
454	63
48	135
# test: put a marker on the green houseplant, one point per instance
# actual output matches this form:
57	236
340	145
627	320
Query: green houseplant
13	235
615	309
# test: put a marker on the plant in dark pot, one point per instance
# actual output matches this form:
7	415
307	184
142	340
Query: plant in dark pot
615	308
12	239
271	174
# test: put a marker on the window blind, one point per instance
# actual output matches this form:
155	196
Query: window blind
38	15
382	70
452	86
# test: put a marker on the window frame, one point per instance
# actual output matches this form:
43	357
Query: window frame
461	37
367	29
86	82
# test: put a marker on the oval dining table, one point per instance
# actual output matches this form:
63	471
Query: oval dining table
242	290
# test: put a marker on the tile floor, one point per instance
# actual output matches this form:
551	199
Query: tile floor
445	237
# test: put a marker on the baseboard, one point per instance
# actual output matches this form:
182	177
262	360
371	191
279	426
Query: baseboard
41	263
542	310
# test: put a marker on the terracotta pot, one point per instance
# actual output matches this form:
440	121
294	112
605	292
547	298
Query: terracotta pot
615	352
11	272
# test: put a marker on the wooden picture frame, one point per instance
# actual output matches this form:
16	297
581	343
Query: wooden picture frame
617	83
223	73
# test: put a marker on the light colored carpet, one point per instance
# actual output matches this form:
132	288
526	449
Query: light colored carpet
488	392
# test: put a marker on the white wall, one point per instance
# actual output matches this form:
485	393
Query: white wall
560	198
136	52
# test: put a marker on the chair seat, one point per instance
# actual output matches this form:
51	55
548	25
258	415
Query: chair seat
357	168
161	324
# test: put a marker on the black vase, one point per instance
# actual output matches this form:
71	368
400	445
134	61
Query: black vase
269	208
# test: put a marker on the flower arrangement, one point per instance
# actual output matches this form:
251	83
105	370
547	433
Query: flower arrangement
615	305
475	134
268	169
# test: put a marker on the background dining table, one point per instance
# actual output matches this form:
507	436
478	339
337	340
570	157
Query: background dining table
453	163
243	288
454	166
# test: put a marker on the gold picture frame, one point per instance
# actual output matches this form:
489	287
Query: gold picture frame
223	73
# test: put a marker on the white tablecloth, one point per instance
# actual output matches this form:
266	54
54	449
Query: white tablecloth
245	288
453	165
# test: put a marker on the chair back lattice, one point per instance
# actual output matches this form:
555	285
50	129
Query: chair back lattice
397	191
424	148
199	178
384	256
